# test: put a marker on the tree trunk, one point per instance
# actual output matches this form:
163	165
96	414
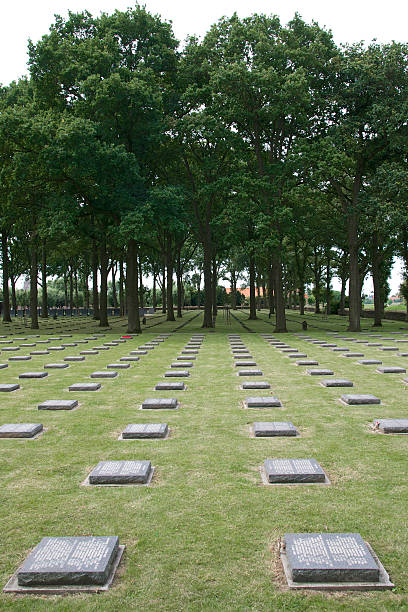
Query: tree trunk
375	270
199	293
6	294
114	293
71	289
233	290
132	290
271	296
13	295
121	289
103	309
44	297
214	282
65	288
76	289
141	291
280	326
342	304
179	275
169	292
328	291
164	293
34	282
252	299
85	283
154	293
95	296
208	320
354	274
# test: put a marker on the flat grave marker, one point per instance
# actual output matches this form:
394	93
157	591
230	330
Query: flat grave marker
320	372
33	375
20	430
144	431
160	403
121	473
336	382
391	425
262	402
294	471
85	387
360	399
58	405
274	428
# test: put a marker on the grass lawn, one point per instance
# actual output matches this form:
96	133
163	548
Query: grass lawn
204	535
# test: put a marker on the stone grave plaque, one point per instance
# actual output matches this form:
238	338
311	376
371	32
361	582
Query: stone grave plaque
240	364
69	344
391	425
256	385
121	472
391	370
293	471
190	357
129	359
20	430
336	382
39	352
56	348
262	402
177	374
83	560
306	362
139	352
161	403
388	348
250	373
89	352
3	365
330	557
321	341
33	375
353	355
110	344
104	374
9	387
239	350
101	348
13	348
58	405
369	361
145	430
274	428
74	358
338	349
85	387
182	364
360	399
120	366
170	386
374	344
320	372
289	350
296	355
56	366
242	356
189	352
20	358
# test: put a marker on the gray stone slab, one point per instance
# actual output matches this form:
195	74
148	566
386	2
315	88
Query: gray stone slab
373	344
330	558
33	375
68	344
145	430
103	374
25	345
129	359
388	348
182	364
170	386
58	405
391	370
336	382
20	430
56	348
3	365
161	403
360	398
369	361
262	402
306	362
89	352
250	373
119	366
74	358
190	357
353	355
256	385
189	352
391	425
239	350
121	472
320	372
242	356
110	343
20	358
274	428
177	374
296	355
39	352
244	363
86	560
56	366
293	471
9	387
102	348
341	349
138	352
85	387
7	349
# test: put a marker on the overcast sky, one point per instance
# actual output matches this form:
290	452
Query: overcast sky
349	20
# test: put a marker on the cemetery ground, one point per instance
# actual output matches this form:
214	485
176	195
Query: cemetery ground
204	534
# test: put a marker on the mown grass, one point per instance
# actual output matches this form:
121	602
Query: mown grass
204	535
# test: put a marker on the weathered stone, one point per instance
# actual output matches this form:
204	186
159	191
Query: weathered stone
33	375
293	471
58	405
342	349
369	361
120	366
20	358
160	403
170	386
330	558
391	425
74	358
296	355
9	387
337	382
176	373
3	365
85	387
388	348
256	385
145	430
262	402
83	560
320	372
56	366
353	355
391	370
244	363
20	430
250	373
189	352
274	428
182	364
89	352
129	359
103	374
139	352
360	398
306	362
121	472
